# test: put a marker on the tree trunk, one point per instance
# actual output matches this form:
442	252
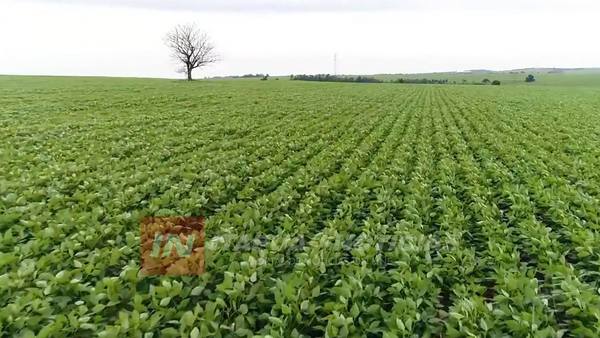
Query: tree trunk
189	74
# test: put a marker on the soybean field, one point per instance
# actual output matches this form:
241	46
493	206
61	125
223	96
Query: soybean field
332	209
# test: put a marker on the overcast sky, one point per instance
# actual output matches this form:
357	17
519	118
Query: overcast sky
125	38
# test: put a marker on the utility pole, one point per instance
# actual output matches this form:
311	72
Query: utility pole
334	63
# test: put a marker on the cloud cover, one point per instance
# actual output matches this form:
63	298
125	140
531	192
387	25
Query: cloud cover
343	5
125	38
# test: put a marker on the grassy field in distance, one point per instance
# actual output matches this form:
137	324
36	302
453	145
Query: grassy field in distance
333	209
588	77
583	77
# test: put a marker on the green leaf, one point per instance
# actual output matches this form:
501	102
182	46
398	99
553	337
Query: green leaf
188	318
169	332
197	290
165	301
316	291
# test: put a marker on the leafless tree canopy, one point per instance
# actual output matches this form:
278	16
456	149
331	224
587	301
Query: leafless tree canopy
191	47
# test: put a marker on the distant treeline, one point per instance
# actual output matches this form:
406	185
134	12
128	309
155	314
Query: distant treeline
420	81
335	78
249	76
366	79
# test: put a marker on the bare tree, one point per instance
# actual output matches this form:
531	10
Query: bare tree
190	47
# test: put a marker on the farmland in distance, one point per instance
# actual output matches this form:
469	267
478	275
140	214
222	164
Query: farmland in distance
331	209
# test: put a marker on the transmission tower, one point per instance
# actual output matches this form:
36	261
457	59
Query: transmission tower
335	64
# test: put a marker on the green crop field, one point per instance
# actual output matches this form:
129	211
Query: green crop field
333	209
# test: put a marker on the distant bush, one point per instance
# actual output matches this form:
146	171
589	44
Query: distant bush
530	78
495	83
486	81
264	78
334	78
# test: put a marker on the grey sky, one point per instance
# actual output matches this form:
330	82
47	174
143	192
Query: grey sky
338	5
124	38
